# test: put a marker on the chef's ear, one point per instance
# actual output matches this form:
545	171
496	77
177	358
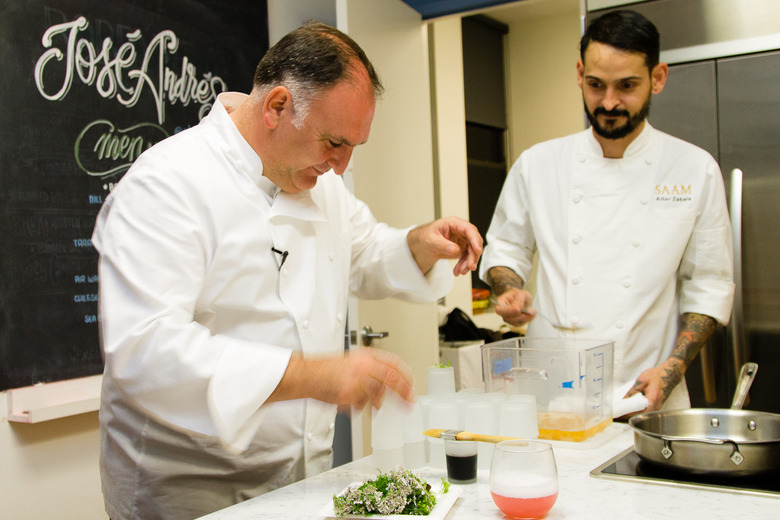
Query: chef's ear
580	73
658	77
276	102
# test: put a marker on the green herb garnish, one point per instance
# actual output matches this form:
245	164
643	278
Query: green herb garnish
399	492
442	365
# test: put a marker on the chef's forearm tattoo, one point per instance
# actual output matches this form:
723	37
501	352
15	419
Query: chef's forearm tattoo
695	330
502	279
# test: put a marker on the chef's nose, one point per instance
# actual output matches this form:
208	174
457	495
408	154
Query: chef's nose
611	99
339	158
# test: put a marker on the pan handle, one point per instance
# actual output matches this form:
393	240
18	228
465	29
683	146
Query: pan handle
746	376
667	452
675	438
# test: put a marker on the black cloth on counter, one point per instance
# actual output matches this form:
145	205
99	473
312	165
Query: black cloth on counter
460	327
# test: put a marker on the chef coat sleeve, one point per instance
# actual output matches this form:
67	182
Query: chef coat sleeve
383	266
510	238
707	267
154	252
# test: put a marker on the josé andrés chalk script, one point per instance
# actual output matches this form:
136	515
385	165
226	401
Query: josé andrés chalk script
118	76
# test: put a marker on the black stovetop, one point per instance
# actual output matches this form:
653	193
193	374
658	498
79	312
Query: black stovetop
629	466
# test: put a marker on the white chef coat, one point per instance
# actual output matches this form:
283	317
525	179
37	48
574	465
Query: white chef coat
627	245
199	317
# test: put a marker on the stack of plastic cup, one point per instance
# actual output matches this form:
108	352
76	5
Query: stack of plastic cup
496	398
442	414
517	417
414	440
387	432
480	417
441	380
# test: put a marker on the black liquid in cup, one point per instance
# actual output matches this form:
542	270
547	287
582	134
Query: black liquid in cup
461	461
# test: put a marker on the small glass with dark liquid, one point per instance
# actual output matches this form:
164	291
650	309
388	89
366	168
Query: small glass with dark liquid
461	461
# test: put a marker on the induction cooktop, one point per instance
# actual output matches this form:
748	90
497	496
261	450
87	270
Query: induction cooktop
629	466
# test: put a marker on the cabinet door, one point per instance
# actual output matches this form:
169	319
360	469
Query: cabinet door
749	120
687	107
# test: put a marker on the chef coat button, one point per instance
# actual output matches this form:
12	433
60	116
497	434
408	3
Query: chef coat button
575	320
309	436
576	280
305	324
635	242
285	272
581	157
577	198
331	256
648	161
340	317
331	426
619	325
644	201
576	239
626	283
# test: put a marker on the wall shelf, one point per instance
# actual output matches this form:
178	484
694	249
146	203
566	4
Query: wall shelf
48	401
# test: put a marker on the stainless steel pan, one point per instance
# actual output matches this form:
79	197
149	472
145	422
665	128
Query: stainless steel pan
724	442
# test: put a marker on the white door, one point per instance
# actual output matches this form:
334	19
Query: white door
393	172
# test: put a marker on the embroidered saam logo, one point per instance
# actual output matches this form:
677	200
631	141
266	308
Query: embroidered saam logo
673	193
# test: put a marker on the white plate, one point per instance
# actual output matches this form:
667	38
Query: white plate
444	503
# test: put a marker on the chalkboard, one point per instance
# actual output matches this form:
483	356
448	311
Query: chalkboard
86	86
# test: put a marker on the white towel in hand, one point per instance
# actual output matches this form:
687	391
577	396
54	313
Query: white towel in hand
635	403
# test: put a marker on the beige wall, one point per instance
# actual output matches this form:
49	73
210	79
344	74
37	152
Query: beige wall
50	469
543	99
449	133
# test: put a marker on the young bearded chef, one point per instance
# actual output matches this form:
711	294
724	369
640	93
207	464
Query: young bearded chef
630	224
227	253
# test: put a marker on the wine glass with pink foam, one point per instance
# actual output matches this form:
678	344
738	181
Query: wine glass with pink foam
524	478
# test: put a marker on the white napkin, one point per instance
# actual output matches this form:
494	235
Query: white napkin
621	407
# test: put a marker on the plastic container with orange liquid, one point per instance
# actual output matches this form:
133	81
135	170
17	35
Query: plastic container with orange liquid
570	378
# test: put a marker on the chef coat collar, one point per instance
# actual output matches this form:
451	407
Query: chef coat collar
246	159
637	148
298	205
270	189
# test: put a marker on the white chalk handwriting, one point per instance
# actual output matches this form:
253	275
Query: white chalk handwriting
118	74
102	150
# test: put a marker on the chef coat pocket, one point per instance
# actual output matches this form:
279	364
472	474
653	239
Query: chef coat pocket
673	215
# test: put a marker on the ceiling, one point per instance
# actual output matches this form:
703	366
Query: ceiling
435	8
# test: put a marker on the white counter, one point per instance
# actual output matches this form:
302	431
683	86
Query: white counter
581	496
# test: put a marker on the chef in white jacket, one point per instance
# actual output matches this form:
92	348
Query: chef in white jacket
227	254
630	225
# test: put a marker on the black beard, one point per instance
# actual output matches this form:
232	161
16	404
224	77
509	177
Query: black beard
617	132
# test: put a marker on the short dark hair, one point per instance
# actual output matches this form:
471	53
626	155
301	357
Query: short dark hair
317	56
625	30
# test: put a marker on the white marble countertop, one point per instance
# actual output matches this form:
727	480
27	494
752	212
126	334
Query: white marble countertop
581	496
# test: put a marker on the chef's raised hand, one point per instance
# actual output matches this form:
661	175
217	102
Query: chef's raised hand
355	379
513	305
446	238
